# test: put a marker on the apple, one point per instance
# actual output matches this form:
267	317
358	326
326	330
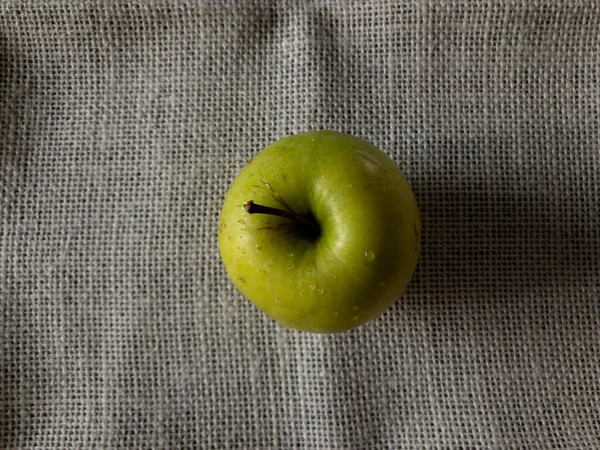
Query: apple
321	231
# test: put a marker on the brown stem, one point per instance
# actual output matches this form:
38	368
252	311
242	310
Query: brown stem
254	208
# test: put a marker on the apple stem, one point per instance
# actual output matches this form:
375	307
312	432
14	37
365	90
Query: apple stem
254	208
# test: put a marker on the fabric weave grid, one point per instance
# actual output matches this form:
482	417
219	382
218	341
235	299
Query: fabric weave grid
122	125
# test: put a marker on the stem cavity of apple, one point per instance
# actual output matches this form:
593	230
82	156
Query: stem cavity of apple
310	227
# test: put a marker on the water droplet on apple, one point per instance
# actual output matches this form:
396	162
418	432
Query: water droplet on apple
354	308
242	223
369	256
291	255
349	185
290	267
355	318
312	287
320	291
382	283
258	247
331	275
310	271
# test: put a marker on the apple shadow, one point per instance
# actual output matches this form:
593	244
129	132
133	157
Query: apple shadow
504	245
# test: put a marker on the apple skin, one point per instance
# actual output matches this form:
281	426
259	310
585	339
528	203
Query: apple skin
369	239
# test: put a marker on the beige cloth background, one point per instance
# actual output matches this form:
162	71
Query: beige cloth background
122	125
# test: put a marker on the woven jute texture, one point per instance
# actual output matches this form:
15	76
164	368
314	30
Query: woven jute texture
122	124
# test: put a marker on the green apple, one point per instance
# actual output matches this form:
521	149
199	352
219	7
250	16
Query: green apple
321	231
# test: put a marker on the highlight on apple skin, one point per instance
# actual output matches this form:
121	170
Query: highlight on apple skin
321	231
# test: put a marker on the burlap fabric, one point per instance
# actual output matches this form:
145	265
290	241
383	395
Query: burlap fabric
122	125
